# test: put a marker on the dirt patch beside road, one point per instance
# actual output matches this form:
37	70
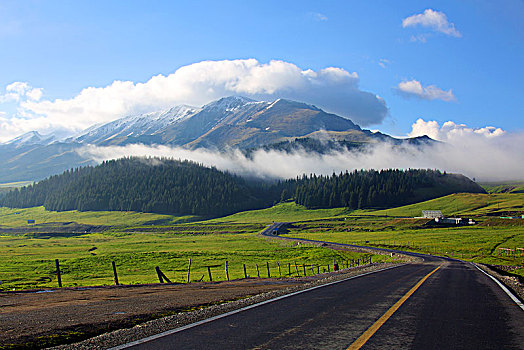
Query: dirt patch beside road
41	317
48	317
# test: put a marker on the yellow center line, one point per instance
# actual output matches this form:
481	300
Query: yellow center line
374	328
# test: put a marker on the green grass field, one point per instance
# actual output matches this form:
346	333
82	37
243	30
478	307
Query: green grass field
476	243
18	217
138	242
28	262
388	228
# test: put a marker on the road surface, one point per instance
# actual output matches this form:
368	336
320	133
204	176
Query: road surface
438	304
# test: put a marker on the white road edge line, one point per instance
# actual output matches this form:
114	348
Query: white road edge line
191	325
508	292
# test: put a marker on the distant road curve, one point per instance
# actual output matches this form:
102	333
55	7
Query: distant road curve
439	304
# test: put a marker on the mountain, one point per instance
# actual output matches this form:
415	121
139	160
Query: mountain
31	138
230	122
34	162
143	128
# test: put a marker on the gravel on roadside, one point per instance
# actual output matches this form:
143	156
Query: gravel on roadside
511	282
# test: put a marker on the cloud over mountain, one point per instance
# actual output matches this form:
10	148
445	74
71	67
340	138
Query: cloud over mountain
452	132
334	89
483	153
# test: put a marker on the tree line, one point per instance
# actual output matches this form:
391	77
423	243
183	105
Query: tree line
168	186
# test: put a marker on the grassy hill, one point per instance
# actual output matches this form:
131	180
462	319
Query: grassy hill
503	187
464	204
283	212
461	204
18	217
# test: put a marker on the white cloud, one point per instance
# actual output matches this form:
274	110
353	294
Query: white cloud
484	153
413	88
13	127
420	38
452	132
19	90
334	89
15	94
383	62
34	94
319	16
435	20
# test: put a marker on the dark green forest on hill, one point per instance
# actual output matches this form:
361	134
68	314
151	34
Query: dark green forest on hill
169	186
147	185
379	189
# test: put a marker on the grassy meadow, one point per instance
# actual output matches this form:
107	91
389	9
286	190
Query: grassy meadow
138	242
28	261
10	217
397	227
477	243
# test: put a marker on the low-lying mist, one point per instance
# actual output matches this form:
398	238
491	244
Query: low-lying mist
484	159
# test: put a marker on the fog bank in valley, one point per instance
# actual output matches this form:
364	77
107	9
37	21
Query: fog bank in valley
486	154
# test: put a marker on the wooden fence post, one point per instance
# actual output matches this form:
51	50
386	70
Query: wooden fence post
188	270
209	273
227	272
304	266
58	275
296	269
159	274
114	272
289	269
318	269
245	272
279	272
258	272
268	273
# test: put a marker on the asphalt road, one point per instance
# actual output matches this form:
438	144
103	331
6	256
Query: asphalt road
455	306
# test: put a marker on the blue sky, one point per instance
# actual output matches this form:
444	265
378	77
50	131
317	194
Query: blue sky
470	68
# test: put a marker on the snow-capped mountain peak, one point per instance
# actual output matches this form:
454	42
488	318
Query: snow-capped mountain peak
137	125
228	103
31	138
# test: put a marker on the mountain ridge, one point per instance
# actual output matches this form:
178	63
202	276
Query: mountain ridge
229	122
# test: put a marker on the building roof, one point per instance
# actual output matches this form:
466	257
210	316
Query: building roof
432	214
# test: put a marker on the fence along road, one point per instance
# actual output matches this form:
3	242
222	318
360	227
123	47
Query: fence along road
439	304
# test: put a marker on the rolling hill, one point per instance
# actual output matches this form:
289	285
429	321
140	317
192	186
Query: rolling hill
167	186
